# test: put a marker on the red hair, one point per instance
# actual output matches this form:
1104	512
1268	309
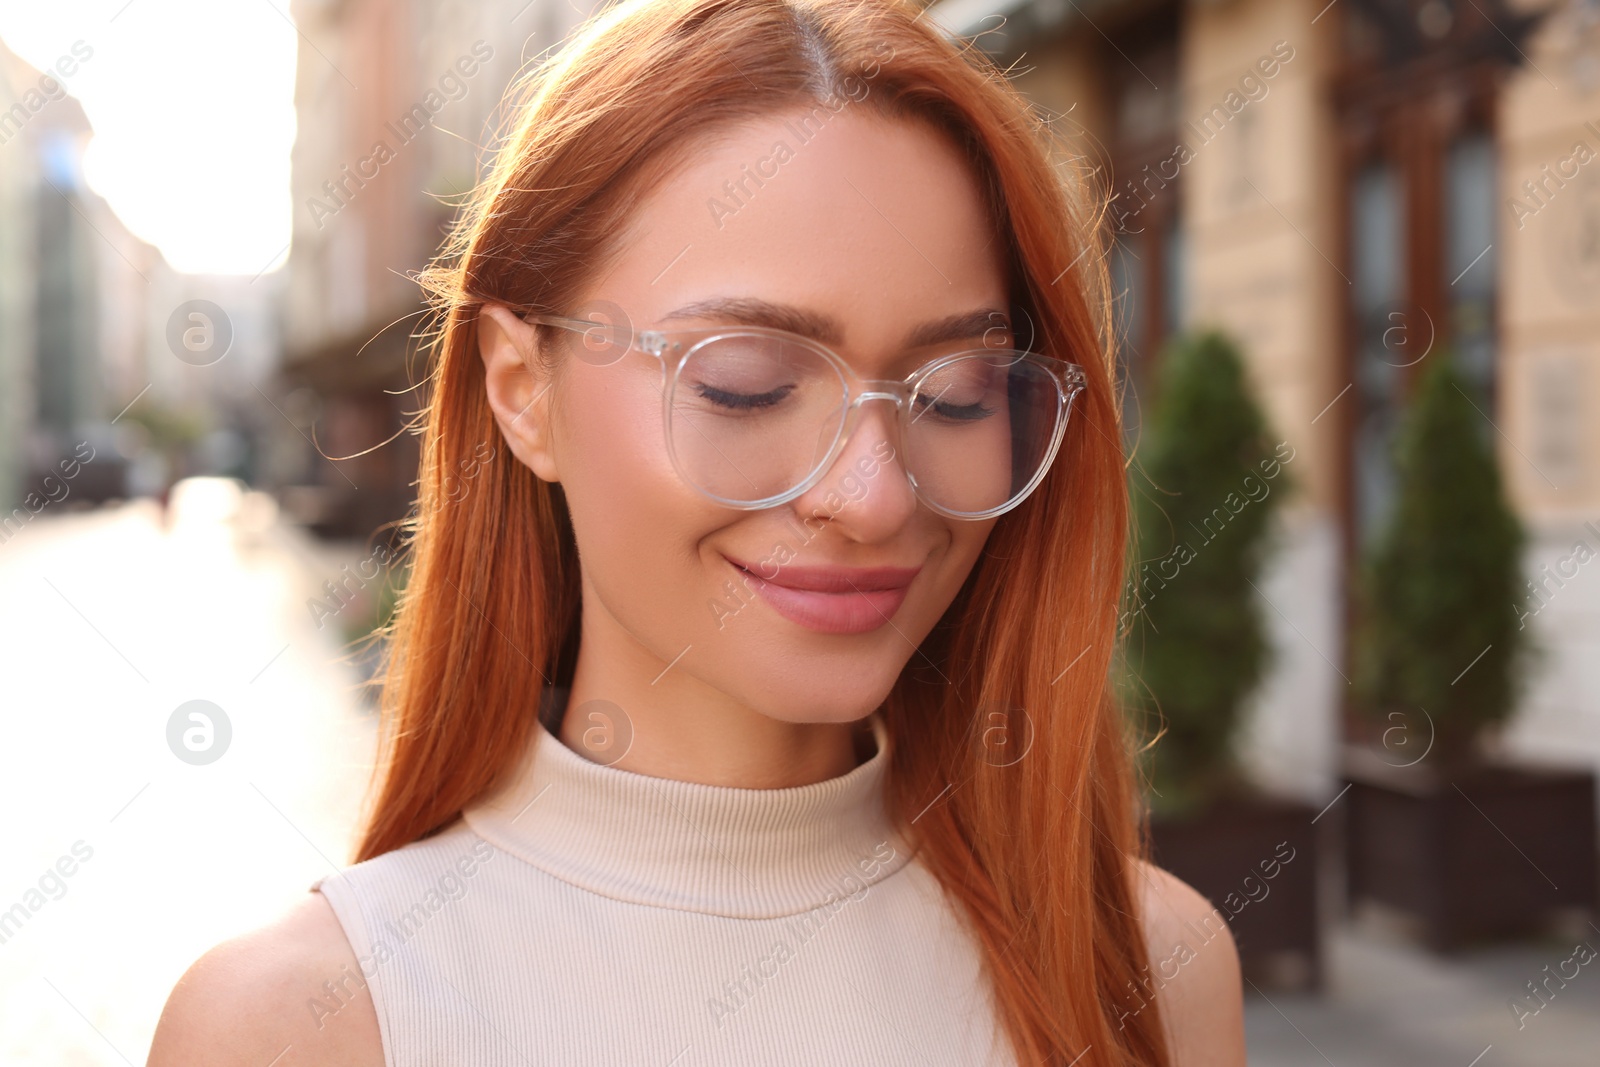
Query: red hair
1037	855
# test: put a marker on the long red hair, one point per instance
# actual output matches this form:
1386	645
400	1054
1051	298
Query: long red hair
1036	854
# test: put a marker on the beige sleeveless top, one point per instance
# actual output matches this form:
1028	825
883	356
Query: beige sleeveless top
590	915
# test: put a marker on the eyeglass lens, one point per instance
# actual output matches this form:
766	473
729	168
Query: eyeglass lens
753	416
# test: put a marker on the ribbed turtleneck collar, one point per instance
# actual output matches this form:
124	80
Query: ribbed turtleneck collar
720	850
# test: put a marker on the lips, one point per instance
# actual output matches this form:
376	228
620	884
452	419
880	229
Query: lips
835	600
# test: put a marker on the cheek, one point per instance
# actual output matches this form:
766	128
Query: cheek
609	451
967	541
964	543
634	520
607	432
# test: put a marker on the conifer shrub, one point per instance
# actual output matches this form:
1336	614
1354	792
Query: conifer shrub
1438	595
1209	479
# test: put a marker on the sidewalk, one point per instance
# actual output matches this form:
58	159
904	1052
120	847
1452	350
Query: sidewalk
114	619
1390	1003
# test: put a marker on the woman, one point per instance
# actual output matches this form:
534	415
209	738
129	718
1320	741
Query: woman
804	548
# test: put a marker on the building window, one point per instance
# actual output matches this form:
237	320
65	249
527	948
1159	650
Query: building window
1382	332
1470	260
1146	269
1416	92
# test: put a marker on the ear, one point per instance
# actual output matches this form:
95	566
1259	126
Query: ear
519	390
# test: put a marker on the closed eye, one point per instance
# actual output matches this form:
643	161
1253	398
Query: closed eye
743	401
952	412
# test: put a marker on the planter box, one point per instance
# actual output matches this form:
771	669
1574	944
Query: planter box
1256	861
1480	854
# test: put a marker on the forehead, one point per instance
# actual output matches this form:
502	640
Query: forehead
878	223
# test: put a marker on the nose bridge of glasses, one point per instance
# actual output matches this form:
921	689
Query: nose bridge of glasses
894	393
858	455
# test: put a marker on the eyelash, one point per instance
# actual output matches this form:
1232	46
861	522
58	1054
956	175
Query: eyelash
965	413
741	401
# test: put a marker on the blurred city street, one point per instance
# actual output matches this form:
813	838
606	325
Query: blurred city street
110	623
1388	1004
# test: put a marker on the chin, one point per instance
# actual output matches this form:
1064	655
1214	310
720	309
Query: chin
821	694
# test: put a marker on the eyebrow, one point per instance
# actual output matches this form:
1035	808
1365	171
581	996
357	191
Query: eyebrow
753	311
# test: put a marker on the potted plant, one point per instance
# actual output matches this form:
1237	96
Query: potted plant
1471	842
1195	647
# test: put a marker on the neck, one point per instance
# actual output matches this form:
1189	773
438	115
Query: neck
627	713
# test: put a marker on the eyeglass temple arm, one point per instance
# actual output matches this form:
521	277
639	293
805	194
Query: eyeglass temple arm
582	325
558	320
1076	378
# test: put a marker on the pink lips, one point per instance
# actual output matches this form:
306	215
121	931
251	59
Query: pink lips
833	600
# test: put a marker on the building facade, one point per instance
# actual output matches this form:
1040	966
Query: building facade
398	104
1347	188
64	259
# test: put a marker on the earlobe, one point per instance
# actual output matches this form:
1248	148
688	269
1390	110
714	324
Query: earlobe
519	390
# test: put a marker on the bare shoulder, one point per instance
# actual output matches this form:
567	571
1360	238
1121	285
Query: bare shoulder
1194	965
291	989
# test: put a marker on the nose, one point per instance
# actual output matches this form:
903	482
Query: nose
866	491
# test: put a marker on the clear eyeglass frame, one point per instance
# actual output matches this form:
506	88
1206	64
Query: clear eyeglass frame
675	347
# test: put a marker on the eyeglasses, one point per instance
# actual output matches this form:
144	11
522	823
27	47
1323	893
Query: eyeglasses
755	416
